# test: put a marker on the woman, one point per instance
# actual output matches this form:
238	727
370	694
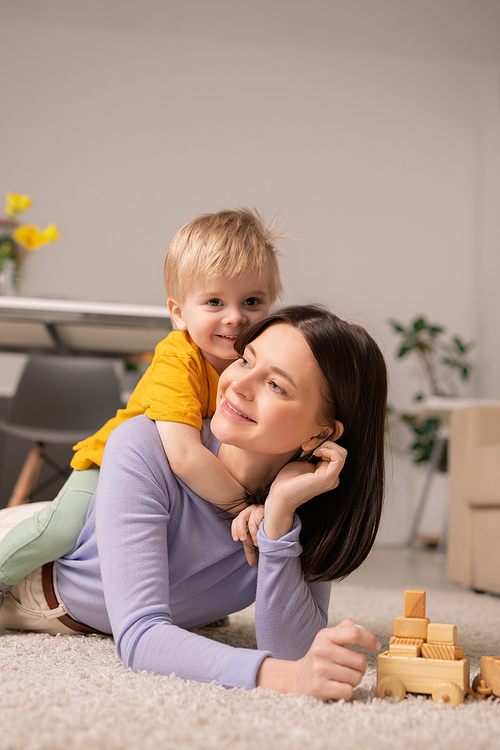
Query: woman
155	561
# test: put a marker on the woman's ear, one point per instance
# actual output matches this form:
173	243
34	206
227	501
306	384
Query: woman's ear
175	311
312	443
338	431
326	434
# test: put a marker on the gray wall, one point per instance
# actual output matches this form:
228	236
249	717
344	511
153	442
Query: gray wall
371	127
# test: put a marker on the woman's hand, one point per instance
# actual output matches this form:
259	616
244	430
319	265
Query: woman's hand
244	529
328	671
298	482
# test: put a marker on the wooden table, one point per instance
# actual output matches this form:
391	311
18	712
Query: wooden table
38	326
32	325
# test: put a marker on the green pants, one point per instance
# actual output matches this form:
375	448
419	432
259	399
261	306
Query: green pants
50	533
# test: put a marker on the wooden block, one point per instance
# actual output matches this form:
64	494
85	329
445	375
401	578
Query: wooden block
406	641
424	675
438	632
414	603
442	651
404	649
490	673
411	627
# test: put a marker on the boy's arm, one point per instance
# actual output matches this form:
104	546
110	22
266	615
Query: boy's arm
198	467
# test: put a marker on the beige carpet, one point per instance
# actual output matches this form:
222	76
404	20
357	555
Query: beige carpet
71	692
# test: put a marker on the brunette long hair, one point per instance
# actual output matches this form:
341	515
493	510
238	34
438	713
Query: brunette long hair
339	527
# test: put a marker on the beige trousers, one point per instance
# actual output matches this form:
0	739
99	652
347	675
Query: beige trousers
25	606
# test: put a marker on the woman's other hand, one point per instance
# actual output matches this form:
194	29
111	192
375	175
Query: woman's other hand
298	482
244	529
329	670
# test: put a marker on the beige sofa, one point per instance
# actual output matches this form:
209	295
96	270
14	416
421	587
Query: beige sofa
473	551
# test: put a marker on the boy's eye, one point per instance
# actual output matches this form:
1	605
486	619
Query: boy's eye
251	302
214	302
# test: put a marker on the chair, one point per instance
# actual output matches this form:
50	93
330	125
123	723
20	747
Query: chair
473	553
440	408
59	400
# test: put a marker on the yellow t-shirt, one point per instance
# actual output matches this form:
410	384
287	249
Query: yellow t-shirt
178	386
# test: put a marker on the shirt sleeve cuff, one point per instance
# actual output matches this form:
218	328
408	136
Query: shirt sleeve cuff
287	546
241	671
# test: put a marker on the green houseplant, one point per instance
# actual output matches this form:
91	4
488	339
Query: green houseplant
445	362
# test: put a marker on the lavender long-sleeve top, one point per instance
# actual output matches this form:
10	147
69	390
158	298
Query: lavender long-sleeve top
155	560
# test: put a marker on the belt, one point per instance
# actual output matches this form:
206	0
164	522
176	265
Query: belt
50	596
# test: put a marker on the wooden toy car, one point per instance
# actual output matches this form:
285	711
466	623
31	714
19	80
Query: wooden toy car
444	680
488	681
423	658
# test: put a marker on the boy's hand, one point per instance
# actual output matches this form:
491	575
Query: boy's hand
244	529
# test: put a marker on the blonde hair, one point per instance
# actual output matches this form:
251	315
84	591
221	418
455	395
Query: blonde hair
226	243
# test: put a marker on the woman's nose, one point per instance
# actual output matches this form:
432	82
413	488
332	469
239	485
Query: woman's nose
242	385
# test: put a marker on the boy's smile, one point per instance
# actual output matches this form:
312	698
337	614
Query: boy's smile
216	312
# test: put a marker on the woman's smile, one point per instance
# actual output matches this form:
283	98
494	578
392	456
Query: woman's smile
232	411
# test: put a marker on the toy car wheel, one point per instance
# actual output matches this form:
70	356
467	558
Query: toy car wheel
391	687
479	689
449	692
476	682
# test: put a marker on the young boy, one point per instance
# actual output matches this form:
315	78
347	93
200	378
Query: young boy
221	274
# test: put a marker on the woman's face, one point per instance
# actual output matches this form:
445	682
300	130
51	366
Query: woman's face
269	401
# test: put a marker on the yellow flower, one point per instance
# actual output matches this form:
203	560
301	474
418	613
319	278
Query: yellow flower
31	237
16	203
51	233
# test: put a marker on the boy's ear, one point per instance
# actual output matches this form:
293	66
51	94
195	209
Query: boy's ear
175	311
328	433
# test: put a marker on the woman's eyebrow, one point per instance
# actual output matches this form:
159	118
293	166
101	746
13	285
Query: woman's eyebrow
284	375
277	370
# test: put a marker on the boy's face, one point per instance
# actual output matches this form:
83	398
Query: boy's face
217	311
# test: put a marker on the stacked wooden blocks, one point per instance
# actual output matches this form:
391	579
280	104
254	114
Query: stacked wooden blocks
423	658
414	634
